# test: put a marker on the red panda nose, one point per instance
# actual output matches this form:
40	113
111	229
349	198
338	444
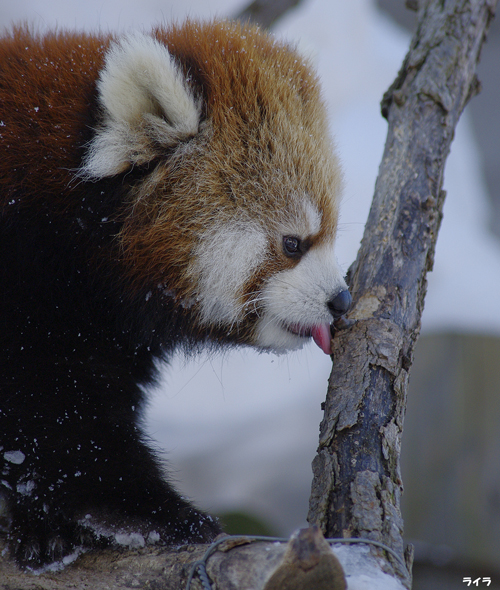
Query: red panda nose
340	304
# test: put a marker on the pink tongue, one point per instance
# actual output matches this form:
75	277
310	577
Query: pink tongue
321	335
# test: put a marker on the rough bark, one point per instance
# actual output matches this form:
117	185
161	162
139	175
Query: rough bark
236	564
357	484
156	568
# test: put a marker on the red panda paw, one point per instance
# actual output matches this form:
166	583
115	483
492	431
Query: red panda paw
36	547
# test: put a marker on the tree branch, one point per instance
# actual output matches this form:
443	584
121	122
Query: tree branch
357	484
266	12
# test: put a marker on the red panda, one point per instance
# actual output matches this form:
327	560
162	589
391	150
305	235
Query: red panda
163	190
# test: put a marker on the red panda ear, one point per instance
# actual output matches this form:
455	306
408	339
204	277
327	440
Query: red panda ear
146	104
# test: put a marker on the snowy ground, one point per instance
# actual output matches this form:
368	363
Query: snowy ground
241	429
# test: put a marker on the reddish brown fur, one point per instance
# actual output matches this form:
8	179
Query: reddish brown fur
46	91
242	74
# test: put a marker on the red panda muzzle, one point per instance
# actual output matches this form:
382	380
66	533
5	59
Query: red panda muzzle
340	304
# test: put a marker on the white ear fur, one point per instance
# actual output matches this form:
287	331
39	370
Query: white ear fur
145	101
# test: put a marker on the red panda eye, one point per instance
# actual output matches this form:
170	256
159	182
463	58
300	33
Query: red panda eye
291	246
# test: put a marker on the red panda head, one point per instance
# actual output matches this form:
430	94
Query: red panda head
235	216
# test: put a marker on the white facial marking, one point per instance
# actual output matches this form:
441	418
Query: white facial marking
303	218
298	297
139	83
224	261
313	216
